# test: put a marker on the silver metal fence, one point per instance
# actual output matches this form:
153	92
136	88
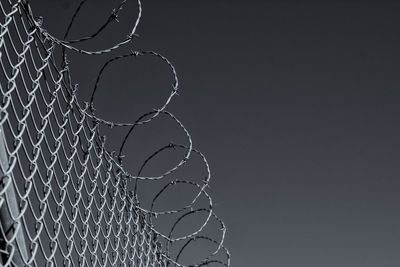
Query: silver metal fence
64	197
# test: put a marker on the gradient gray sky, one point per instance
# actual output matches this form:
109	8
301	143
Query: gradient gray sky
295	105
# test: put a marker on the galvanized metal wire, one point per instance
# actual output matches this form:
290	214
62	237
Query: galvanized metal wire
65	198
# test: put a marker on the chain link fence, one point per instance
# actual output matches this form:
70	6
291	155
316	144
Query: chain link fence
65	199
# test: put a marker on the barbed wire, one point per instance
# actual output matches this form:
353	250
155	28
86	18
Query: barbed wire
65	198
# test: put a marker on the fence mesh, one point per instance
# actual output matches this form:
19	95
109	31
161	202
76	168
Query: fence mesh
65	199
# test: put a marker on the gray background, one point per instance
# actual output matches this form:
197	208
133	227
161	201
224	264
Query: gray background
295	105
